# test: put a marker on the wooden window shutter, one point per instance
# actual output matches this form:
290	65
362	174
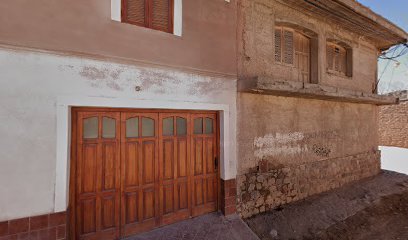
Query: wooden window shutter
330	57
288	49
162	15
155	14
343	61
278	45
135	12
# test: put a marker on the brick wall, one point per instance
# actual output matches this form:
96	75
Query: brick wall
44	227
228	196
393	121
266	187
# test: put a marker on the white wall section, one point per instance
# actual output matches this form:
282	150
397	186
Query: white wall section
35	117
394	159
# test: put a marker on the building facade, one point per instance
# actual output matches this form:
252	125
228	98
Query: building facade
307	90
119	116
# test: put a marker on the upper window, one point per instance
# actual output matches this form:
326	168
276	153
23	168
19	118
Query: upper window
338	59
293	48
154	14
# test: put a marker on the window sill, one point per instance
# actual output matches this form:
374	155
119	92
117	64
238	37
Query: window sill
268	86
336	74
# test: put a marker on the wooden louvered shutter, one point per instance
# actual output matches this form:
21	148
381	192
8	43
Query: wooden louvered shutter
288	47
278	45
343	61
330	57
135	12
161	15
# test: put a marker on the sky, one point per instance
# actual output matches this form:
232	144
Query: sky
394	75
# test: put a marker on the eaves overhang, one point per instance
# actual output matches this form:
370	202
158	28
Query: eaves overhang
355	17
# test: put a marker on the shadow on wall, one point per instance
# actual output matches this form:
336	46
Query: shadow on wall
394	159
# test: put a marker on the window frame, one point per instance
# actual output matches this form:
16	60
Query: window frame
148	16
348	61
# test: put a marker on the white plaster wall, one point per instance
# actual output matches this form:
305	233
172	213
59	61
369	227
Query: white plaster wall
394	159
33	83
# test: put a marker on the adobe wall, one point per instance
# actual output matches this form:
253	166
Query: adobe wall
291	148
256	21
393	121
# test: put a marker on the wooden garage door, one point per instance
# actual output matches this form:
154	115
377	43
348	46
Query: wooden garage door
137	170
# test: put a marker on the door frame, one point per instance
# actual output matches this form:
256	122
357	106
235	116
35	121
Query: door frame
71	210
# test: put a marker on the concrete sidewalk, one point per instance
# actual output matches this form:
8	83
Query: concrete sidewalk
212	226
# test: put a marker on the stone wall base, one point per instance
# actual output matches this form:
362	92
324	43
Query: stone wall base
269	188
45	227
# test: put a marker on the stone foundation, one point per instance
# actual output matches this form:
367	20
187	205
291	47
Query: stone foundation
267	187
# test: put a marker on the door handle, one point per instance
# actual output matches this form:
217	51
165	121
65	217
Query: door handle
215	163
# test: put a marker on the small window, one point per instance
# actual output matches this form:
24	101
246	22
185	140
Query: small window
108	127
147	127
132	128
181	126
154	14
168	126
198	126
338	59
209	126
90	128
293	48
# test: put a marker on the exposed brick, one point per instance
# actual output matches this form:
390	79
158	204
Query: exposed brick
35	228
39	222
393	125
57	219
19	226
229	210
61	232
23	236
4	228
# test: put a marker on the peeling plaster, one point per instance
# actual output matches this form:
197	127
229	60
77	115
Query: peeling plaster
289	144
279	143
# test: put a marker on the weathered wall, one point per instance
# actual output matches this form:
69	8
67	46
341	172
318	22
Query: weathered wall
271	187
329	142
292	131
86	27
256	21
32	83
394	125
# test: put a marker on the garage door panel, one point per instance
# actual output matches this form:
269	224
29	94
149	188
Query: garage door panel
108	207
88	216
88	168
182	195
182	157
109	166
148	204
148	159
141	170
211	184
131	207
131	164
168	199
209	155
198	192
168	159
198	156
